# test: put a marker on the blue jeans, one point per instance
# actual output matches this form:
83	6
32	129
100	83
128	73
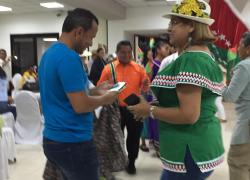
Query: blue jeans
5	107
76	161
193	171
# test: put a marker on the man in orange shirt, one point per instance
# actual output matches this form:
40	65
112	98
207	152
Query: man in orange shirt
137	80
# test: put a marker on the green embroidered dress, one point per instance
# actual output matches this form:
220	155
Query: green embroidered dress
203	138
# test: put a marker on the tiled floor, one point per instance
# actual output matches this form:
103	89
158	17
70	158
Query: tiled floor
30	160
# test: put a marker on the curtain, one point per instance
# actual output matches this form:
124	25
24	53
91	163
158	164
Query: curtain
228	27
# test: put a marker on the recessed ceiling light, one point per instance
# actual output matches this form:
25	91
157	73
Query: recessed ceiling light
50	39
4	8
52	5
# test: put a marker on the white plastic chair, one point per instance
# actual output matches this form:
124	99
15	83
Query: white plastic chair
4	170
17	83
8	140
8	137
28	126
9	120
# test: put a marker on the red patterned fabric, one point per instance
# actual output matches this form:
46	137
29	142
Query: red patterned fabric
228	27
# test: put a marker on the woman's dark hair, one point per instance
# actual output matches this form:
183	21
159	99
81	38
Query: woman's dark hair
2	74
123	43
161	43
99	49
145	51
79	18
246	39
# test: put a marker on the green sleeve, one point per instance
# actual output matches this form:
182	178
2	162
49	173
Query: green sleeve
193	68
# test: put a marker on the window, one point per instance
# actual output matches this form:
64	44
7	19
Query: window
27	50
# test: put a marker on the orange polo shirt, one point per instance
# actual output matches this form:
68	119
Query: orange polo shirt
132	73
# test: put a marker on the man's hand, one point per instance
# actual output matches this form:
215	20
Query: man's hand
110	97
101	89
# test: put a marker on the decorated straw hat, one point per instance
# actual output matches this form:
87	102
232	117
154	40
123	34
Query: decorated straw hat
196	10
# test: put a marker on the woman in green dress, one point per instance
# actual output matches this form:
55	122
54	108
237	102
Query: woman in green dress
190	135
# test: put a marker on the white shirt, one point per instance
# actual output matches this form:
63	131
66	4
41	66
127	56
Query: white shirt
90	63
166	61
7	69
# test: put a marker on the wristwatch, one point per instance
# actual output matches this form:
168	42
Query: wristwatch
152	111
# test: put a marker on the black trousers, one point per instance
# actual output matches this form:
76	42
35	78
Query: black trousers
134	129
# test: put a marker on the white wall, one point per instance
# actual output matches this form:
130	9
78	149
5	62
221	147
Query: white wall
39	23
138	19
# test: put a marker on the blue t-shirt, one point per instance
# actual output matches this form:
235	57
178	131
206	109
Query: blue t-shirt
61	72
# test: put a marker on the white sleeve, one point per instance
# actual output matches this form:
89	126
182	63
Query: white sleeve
168	60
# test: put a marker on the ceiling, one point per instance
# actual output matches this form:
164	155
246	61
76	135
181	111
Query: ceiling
143	3
28	6
108	9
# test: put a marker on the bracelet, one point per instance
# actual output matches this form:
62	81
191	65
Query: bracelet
152	111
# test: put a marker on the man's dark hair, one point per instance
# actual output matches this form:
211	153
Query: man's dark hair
246	39
99	49
123	43
79	18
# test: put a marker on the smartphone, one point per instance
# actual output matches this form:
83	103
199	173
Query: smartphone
132	100
120	86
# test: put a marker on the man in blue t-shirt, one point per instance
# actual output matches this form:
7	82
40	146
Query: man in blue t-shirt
67	101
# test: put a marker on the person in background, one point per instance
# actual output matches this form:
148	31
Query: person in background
111	58
91	61
85	63
98	66
238	92
5	100
30	75
162	51
105	47
30	80
148	57
126	70
5	63
186	109
68	103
